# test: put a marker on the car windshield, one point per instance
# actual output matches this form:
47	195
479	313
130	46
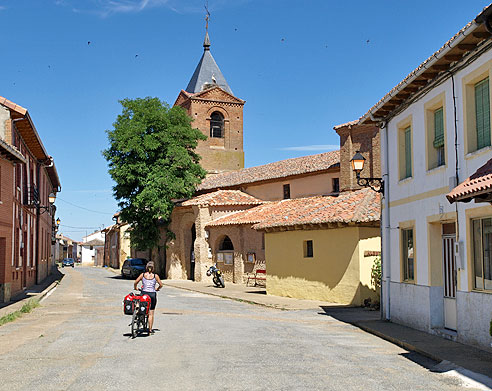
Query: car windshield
138	262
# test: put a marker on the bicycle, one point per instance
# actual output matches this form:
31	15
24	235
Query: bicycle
138	306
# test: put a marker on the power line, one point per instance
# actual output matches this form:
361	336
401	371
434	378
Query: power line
69	226
81	207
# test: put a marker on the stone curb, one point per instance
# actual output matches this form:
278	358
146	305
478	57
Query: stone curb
38	296
276	307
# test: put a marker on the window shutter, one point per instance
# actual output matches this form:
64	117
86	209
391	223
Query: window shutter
408	153
438	128
482	112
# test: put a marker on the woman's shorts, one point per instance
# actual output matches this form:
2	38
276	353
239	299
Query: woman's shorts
153	298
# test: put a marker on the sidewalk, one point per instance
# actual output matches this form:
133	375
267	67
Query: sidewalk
35	292
474	363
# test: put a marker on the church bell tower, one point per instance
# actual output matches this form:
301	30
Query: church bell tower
217	113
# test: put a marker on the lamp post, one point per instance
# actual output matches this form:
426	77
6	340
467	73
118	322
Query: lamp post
376	184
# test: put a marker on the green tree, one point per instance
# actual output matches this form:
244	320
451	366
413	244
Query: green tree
152	159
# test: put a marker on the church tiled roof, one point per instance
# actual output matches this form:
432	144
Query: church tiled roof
223	198
361	206
275	170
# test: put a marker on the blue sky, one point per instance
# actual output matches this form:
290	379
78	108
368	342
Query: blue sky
302	67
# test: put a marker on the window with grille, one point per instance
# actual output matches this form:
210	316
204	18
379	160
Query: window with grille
408	256
482	113
217	125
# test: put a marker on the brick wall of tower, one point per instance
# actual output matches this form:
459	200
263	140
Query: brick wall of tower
363	138
219	154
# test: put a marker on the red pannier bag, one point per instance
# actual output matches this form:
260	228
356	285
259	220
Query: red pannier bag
130	300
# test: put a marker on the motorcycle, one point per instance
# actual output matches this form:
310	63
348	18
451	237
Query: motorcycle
217	278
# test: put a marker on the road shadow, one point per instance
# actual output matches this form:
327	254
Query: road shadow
56	275
350	315
120	277
142	334
262	292
423	361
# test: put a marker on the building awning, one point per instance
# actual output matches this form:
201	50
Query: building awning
477	187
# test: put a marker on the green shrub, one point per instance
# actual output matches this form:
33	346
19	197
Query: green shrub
376	274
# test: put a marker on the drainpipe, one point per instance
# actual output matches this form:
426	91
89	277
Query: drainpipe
385	223
457	169
38	216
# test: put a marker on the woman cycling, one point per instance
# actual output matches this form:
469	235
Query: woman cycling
149	280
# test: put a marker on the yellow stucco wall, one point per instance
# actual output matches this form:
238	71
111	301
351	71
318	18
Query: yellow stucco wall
333	274
125	249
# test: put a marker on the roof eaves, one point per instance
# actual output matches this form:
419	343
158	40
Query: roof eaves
450	44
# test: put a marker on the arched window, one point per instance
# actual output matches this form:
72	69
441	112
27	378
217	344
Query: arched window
226	244
216	125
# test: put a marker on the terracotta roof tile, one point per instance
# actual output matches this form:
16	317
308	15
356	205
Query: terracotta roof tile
280	169
351	123
477	184
13	106
222	198
361	206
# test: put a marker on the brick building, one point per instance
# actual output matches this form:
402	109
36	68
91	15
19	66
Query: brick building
28	177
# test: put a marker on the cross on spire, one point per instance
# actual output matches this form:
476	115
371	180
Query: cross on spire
207	16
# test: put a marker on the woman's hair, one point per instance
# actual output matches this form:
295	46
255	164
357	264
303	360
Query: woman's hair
150	267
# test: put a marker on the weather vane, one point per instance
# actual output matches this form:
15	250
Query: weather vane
207	17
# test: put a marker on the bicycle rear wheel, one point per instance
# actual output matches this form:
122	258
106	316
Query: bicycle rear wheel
135	324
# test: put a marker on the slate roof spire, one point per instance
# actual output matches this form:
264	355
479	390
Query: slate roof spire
207	73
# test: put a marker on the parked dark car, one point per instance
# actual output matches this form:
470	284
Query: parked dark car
133	267
68	262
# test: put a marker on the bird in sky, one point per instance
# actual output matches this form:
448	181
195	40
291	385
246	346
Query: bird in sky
88	42
136	55
367	41
282	40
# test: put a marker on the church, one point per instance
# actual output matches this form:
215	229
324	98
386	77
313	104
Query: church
227	221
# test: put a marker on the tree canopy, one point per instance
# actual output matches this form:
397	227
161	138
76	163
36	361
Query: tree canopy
152	159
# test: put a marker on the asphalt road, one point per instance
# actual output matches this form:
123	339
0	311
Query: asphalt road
79	340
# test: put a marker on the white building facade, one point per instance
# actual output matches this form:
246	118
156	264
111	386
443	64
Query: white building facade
435	132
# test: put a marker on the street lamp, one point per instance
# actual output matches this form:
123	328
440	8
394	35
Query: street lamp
376	184
52	198
51	201
58	221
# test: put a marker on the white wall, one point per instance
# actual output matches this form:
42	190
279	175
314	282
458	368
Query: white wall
423	195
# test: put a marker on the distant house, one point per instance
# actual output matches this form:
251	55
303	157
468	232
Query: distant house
93	249
64	247
116	243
